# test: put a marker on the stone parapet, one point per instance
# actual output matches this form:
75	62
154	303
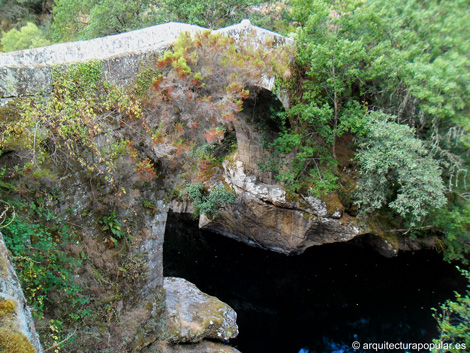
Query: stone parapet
29	72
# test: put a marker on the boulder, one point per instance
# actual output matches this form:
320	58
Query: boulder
201	347
193	315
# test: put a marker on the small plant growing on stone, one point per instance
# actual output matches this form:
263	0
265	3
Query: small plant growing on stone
111	224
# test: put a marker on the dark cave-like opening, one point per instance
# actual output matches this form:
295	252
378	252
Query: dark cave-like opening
320	301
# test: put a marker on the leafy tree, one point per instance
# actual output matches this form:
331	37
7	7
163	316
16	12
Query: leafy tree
335	62
405	59
112	17
210	14
75	19
427	51
29	36
70	19
14	12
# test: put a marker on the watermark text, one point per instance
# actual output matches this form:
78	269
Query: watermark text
380	346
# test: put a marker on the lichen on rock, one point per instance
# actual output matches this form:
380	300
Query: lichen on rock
200	347
193	315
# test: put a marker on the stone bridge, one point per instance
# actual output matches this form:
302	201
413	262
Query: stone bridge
29	72
277	223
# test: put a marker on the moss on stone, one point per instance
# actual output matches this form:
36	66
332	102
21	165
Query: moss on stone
11	112
12	341
333	203
7	308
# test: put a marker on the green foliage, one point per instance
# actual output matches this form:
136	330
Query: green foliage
78	81
208	203
212	14
13	11
29	36
403	59
453	320
427	50
336	62
454	222
311	168
384	53
37	240
333	62
397	171
76	20
69	19
15	14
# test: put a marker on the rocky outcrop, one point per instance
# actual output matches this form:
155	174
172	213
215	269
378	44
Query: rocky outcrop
193	315
201	347
17	331
269	217
389	244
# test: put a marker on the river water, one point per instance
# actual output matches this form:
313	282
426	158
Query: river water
320	301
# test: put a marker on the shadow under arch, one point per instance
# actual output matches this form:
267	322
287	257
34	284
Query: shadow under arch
256	128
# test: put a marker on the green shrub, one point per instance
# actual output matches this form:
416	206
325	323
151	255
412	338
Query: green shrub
454	222
112	225
454	322
208	203
397	171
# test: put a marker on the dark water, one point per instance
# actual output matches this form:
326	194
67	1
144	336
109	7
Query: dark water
320	301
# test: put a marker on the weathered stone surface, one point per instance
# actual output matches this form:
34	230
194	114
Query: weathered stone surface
391	243
152	246
193	315
29	72
201	347
267	216
249	149
17	329
142	40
